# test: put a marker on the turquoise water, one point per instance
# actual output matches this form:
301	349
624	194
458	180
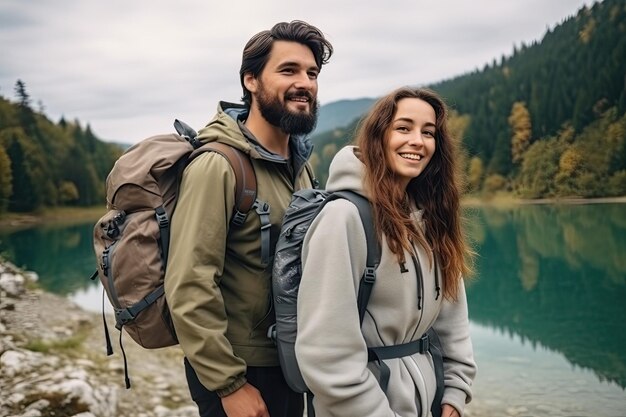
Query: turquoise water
547	305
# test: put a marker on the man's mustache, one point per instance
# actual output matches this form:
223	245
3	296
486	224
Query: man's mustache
302	93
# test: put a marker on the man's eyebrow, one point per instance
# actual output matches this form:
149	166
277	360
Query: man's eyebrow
296	64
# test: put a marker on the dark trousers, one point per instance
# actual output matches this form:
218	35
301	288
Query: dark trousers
280	400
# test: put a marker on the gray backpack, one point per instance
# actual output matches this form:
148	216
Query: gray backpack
286	276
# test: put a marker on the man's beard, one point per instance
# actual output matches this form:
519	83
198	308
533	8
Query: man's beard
278	115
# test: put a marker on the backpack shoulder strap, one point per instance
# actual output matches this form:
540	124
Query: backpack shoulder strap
373	247
314	181
245	178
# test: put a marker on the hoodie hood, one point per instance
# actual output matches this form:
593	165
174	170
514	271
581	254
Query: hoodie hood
346	172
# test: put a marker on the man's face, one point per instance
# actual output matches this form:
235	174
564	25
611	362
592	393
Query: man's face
286	90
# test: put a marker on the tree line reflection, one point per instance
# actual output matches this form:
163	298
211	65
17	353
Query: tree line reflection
556	276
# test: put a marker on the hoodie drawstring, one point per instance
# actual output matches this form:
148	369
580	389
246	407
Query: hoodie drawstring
437	285
420	279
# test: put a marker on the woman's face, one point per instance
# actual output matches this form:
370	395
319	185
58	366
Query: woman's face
411	138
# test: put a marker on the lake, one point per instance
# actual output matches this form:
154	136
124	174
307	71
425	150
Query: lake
547	304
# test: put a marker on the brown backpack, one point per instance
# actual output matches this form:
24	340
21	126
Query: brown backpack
131	240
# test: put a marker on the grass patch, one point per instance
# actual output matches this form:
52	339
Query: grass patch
63	345
69	213
31	285
51	216
497	199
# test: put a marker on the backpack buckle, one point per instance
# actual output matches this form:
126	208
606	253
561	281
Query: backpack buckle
122	317
238	218
161	217
271	332
261	207
424	344
370	275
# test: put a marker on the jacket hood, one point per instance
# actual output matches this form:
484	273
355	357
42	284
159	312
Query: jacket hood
224	127
346	172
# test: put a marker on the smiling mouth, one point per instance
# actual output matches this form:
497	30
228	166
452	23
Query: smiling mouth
300	97
411	156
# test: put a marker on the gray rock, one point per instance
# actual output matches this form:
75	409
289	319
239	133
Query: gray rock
12	284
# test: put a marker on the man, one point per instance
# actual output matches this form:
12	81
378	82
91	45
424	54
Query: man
218	278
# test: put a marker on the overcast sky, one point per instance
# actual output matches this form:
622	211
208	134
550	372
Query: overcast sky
130	67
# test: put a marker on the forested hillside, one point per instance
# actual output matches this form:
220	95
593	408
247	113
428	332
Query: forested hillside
46	164
548	120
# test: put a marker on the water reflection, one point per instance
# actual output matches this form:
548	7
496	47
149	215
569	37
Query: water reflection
62	256
556	277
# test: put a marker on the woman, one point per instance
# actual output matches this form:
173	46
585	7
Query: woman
404	163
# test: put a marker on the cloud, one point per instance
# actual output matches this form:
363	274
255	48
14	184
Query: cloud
129	68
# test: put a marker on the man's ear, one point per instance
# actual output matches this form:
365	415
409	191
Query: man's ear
250	82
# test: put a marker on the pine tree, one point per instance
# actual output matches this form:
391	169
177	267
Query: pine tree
22	96
26	114
27	195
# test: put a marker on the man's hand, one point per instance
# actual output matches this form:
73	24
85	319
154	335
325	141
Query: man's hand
245	402
448	411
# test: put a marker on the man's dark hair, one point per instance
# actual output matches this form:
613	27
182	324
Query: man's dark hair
257	50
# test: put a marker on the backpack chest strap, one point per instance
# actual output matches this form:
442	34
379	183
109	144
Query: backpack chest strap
421	345
380	353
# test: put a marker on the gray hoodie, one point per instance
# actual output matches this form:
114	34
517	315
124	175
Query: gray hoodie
331	346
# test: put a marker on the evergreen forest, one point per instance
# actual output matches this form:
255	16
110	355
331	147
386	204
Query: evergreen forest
547	121
48	164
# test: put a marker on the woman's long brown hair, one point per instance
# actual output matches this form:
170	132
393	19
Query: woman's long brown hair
436	190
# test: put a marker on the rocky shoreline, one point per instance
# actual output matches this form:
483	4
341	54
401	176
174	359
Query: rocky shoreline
53	361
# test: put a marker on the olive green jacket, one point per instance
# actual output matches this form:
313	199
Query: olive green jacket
216	286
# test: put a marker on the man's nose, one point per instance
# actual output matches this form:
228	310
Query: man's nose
304	81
